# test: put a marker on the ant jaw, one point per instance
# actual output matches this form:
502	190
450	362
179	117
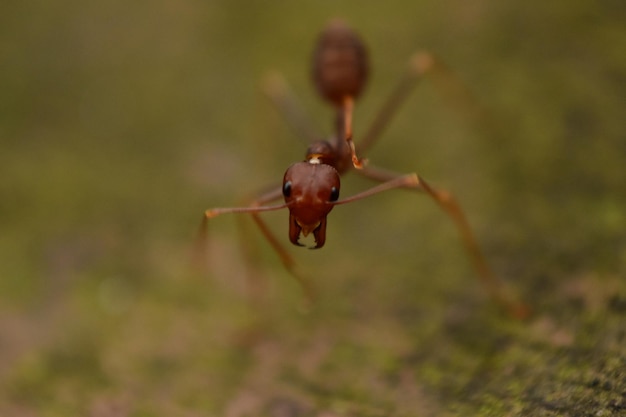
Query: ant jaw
296	229
305	230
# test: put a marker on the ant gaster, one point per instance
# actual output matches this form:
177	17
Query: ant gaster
311	188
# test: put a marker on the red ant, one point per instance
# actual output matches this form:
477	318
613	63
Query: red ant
310	188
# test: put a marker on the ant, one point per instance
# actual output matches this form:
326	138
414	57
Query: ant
310	188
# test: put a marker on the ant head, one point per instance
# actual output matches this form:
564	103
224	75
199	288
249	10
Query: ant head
310	188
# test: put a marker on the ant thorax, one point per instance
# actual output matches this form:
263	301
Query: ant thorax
327	152
321	151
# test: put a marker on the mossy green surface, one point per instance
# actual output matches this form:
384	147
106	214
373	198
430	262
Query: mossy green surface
120	123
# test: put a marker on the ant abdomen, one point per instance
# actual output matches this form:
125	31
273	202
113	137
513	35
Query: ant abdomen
340	66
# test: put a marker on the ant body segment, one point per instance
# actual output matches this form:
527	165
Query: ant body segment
311	188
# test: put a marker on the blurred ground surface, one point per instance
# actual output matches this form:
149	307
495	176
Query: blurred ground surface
120	123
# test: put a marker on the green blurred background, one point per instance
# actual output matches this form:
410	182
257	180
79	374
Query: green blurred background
121	122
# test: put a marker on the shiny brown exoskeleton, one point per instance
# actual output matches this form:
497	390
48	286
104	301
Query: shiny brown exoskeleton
311	188
340	64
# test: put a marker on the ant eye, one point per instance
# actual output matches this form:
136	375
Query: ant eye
287	188
334	194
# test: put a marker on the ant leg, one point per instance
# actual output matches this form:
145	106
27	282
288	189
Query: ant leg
254	209
415	72
201	244
446	82
449	205
450	86
286	259
346	110
275	87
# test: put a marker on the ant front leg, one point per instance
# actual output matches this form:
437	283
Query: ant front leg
257	206
286	259
448	203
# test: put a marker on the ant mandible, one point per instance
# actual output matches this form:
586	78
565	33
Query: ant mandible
310	188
